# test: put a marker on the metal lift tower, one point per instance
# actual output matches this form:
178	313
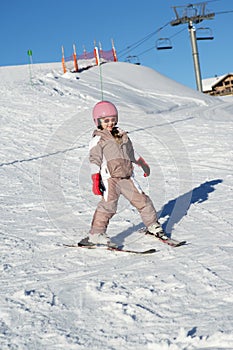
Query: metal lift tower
192	14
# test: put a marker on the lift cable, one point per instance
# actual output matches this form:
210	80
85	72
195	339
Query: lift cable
141	41
152	48
223	12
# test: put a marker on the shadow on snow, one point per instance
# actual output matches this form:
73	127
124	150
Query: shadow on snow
176	209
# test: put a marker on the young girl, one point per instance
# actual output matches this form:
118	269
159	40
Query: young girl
112	158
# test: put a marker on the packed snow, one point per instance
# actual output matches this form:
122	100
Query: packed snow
53	297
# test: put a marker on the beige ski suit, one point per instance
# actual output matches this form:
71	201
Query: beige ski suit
112	157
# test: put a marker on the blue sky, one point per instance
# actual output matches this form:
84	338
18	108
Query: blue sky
44	25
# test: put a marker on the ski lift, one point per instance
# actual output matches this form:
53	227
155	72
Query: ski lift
204	33
163	44
132	59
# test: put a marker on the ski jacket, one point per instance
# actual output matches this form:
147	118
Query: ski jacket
111	156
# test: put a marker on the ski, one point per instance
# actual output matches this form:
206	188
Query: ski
170	241
117	249
142	252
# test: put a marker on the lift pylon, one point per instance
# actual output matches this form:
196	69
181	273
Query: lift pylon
193	14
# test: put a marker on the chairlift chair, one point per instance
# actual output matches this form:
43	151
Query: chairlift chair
132	59
204	33
163	44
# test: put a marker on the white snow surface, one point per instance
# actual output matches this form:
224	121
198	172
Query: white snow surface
53	297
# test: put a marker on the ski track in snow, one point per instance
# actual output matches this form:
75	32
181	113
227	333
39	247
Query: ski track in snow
53	297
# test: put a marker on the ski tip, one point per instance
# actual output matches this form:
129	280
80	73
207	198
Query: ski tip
180	243
150	251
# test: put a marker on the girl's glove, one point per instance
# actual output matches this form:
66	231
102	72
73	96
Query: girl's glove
96	184
141	162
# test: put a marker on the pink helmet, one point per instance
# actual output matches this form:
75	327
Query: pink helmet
104	109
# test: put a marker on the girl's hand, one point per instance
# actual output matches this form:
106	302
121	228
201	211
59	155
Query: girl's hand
142	163
96	184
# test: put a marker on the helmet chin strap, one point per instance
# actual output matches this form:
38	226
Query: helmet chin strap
99	125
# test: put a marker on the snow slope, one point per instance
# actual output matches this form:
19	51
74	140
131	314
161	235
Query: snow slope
53	297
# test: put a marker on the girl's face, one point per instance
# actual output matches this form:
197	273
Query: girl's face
108	123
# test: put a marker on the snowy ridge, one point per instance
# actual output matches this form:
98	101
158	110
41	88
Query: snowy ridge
53	297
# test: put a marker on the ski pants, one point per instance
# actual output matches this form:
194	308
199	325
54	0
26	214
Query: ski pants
107	207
